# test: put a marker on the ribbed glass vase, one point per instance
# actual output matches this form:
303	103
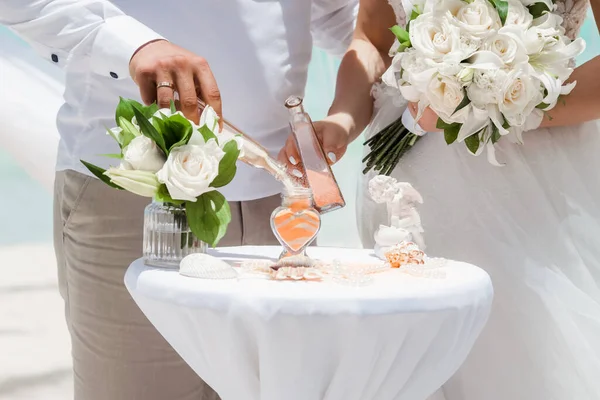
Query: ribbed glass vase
167	236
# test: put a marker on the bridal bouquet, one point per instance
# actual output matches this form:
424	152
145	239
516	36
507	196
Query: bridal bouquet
487	68
169	158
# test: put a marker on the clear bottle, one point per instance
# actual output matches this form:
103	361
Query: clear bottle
296	223
256	155
317	172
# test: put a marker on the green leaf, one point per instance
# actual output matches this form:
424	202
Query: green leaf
126	106
149	130
542	106
401	34
505	124
465	102
206	133
177	131
163	195
128	133
450	130
99	173
172	107
472	142
227	165
538	9
502	8
208	217
495	134
119	155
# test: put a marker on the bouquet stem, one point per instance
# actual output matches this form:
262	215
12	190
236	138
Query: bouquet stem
387	148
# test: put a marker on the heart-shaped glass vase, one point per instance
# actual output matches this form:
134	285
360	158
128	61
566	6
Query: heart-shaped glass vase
296	223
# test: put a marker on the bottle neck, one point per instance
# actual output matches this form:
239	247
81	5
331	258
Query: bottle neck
297	198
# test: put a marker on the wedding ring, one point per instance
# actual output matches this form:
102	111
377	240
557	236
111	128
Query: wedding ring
165	84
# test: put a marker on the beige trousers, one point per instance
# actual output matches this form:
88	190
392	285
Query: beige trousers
117	353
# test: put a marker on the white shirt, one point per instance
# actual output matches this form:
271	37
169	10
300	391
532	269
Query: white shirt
259	51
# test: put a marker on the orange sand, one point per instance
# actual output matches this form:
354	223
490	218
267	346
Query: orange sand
325	190
296	227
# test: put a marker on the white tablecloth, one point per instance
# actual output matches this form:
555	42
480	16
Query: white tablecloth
400	338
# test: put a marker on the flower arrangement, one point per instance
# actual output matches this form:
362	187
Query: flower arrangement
487	68
167	157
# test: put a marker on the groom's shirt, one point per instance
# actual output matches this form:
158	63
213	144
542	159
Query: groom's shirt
259	51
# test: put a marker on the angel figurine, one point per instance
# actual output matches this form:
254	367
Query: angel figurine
405	223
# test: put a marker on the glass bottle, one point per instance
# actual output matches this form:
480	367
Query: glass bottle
296	222
256	155
167	236
317	172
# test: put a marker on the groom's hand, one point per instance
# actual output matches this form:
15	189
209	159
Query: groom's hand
334	133
189	75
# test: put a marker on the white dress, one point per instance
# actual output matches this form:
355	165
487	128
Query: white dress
534	226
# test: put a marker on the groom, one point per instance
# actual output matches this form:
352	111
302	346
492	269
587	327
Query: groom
258	51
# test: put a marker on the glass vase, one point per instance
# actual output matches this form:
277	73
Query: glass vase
167	236
296	222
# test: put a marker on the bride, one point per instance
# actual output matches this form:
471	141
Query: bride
533	225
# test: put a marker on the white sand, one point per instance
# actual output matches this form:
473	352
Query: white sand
35	360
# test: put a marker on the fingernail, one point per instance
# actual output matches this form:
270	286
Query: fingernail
332	156
297	173
293	160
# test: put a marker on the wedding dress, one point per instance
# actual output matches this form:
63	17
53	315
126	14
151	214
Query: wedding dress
534	226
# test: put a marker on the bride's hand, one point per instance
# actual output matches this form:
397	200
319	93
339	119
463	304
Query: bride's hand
334	133
428	120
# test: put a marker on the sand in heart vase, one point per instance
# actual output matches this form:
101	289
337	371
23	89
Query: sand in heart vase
296	222
167	236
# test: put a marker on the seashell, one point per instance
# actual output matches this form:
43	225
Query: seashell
204	266
296	274
295	261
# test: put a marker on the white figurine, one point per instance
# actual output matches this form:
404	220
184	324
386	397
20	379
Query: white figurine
405	222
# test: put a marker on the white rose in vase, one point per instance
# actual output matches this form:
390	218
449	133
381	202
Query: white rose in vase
445	93
190	169
520	96
143	154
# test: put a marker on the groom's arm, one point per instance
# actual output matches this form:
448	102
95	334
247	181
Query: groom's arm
363	64
115	44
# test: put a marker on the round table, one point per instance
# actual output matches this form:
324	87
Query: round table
399	338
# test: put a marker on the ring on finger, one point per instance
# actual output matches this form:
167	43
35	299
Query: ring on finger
165	84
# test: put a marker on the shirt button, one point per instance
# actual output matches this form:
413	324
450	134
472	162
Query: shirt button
54	58
114	75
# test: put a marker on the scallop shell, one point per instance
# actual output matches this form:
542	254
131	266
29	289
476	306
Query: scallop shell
205	266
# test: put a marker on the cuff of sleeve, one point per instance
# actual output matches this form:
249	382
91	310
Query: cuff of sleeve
116	42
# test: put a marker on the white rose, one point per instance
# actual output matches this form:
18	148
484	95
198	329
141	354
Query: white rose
518	15
415	75
190	169
434	38
142	183
520	96
478	18
445	94
143	154
486	86
507	48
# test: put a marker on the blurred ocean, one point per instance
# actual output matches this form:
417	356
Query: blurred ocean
26	207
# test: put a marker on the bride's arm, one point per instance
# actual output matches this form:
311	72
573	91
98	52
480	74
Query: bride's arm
583	104
363	64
